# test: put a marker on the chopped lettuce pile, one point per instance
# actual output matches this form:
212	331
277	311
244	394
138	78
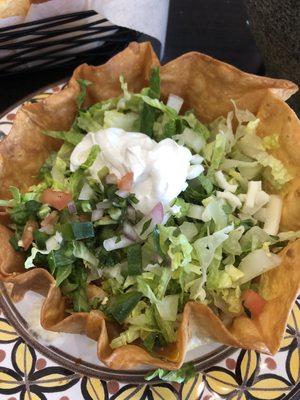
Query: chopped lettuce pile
209	245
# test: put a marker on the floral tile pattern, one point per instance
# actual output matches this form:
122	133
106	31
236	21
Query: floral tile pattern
25	374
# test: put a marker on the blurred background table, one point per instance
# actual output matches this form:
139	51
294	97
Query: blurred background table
215	27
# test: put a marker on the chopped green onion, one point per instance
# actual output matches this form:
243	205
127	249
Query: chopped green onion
146	226
14	243
86	206
103	172
91	157
40	239
83	230
134	259
115	213
44	211
66	231
33	206
105	221
62	273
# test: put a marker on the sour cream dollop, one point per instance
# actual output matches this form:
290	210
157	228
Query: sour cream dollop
160	170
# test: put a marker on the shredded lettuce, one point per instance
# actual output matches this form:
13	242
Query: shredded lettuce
185	373
29	263
206	248
214	211
168	307
252	146
177	247
72	136
191	139
82	252
116	119
218	152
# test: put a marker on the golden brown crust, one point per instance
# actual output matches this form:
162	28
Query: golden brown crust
11	262
206	85
12	8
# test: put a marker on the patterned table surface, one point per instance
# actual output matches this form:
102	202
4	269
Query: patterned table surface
27	375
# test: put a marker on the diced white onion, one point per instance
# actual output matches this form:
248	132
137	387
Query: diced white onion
256	263
175	102
231	198
242	196
260	215
86	192
175	209
273	215
53	243
116	242
72	207
166	218
103	205
58	237
122	194
261	199
223	184
49	229
253	188
130	232
157	214
196	159
194	171
195	211
131	213
97	214
111	179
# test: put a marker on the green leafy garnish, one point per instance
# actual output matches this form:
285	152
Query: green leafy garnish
91	157
71	136
134	259
183	374
83	230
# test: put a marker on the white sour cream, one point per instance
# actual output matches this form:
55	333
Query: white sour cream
160	170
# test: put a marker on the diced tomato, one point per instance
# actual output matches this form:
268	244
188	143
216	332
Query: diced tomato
51	219
253	302
125	183
27	237
56	199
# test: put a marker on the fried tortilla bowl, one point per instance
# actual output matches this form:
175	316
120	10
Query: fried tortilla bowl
12	8
207	86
